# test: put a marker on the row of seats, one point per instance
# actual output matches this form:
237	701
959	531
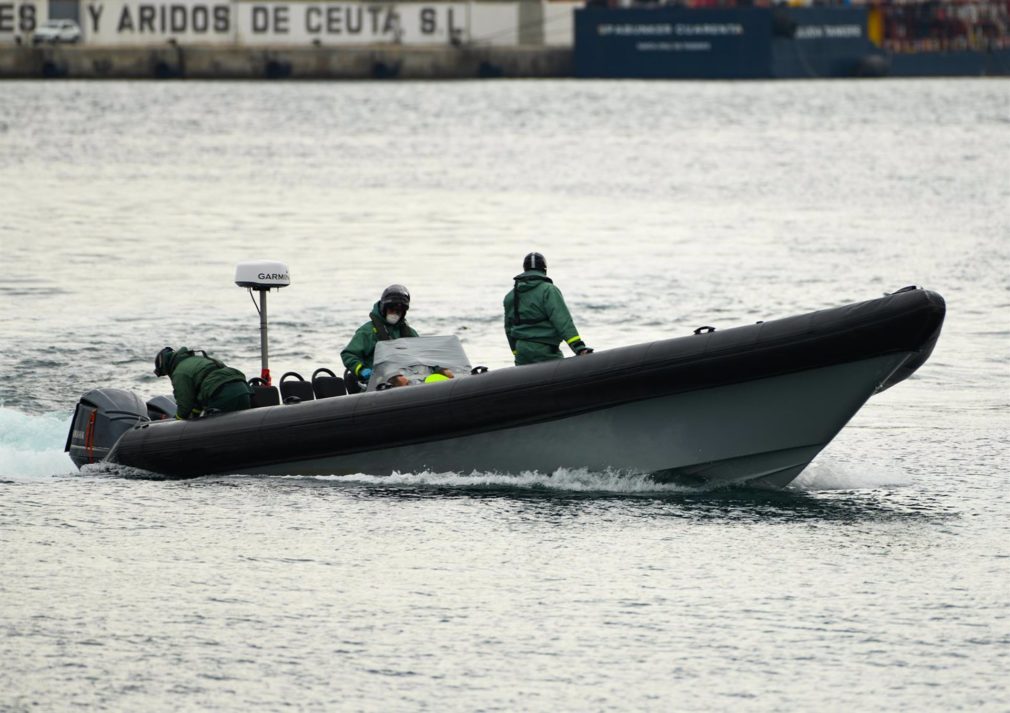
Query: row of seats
324	384
294	388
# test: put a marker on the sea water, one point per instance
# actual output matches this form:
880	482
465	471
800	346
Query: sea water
879	580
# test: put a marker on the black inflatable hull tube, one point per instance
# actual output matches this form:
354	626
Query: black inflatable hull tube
748	404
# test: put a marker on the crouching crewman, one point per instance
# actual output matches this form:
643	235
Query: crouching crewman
201	383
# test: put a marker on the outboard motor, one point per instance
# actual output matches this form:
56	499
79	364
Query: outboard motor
101	417
161	407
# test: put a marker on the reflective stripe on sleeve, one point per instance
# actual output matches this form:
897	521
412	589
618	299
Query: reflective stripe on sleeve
574	339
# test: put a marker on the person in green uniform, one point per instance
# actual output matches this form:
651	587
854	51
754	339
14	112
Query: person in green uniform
201	383
536	317
387	320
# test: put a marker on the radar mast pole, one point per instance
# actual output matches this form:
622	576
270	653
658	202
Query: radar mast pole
262	276
264	351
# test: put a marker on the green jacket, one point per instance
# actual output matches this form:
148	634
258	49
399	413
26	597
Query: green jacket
358	353
195	379
543	316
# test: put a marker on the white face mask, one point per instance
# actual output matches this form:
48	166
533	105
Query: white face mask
392	318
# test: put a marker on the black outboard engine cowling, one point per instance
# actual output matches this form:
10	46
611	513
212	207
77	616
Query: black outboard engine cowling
161	407
101	417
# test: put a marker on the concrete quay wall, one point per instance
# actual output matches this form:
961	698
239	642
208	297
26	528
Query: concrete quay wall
349	62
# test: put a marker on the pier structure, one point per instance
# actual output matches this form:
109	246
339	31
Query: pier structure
417	39
296	39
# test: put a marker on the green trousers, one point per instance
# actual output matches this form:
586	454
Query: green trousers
535	352
233	396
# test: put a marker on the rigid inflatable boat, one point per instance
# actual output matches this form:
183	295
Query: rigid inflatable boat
748	405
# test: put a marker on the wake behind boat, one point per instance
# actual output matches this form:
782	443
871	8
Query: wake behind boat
749	405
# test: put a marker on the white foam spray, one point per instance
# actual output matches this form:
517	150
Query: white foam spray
562	479
31	446
829	475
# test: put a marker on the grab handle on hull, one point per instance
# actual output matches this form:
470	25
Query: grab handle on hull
906	288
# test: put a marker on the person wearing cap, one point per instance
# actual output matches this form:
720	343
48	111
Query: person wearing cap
387	320
537	319
201	384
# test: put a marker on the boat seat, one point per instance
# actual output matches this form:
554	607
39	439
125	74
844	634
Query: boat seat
327	386
263	395
295	389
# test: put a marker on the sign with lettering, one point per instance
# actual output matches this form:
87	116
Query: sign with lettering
820	42
835	23
129	22
672	42
350	23
19	19
142	22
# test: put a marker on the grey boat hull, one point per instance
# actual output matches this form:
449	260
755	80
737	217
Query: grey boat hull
751	404
760	433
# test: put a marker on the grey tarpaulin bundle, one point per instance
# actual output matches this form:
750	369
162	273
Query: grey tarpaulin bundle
417	358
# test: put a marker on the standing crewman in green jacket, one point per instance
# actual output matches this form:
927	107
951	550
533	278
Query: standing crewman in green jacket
387	320
536	317
201	383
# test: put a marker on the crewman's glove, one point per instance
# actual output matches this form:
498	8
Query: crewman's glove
365	374
580	348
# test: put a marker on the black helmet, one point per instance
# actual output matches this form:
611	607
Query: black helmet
162	361
394	295
535	261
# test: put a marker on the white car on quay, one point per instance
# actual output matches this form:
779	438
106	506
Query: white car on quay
56	31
